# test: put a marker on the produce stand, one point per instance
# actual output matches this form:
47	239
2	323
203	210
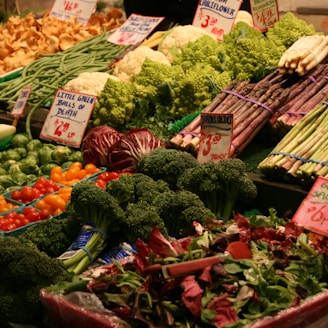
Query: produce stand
285	198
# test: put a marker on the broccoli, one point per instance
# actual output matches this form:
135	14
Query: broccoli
179	209
52	237
288	30
24	272
166	164
135	187
139	220
220	185
115	104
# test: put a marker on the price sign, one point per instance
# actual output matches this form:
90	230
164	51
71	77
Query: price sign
82	9
216	16
21	102
134	30
216	136
313	211
68	117
265	13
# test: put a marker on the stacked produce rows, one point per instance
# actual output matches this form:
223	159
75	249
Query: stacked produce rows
142	198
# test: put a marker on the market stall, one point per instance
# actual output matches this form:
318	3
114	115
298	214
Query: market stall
174	199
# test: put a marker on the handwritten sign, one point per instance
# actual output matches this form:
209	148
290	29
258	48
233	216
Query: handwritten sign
82	9
313	211
68	117
216	135
265	13
21	102
134	30
216	16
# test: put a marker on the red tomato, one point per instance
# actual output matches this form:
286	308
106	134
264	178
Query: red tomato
44	214
40	183
28	194
28	210
101	183
16	195
33	217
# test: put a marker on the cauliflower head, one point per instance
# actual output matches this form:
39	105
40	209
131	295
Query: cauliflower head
132	62
178	37
91	83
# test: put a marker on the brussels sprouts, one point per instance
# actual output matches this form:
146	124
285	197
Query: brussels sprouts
21	151
20	140
31	178
10	154
6	181
46	168
14	168
34	144
2	190
32	153
5	165
45	155
20	178
29	165
3	171
66	165
76	156
61	154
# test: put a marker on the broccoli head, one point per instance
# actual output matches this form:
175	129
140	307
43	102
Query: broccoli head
166	164
222	186
179	209
24	272
139	220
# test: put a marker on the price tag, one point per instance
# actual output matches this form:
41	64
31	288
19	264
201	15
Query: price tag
82	9
21	102
68	117
134	30
216	136
216	16
265	13
312	214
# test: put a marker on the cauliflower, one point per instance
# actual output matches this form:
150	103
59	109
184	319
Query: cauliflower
91	83
132	62
178	37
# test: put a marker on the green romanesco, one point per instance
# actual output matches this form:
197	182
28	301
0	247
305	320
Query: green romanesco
198	87
115	105
288	30
203	50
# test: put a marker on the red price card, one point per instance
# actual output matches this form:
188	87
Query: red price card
265	13
216	16
216	136
68	118
312	214
82	9
135	29
21	102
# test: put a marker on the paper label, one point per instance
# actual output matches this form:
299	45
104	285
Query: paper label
265	13
134	30
216	136
82	9
216	16
21	102
312	214
68	117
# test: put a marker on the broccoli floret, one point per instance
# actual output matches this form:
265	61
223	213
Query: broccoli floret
202	50
24	272
134	188
139	220
288	30
221	186
166	164
115	104
52	237
179	209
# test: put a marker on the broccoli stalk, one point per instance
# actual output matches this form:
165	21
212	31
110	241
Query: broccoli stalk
221	186
101	214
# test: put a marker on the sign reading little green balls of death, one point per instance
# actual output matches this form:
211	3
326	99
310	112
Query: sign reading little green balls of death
312	214
68	118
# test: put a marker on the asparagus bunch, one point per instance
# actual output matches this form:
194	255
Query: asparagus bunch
302	154
252	106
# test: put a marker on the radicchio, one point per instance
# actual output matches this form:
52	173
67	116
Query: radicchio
98	142
128	151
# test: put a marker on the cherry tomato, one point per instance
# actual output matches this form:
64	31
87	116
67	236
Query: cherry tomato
16	195
28	194
44	214
33	217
